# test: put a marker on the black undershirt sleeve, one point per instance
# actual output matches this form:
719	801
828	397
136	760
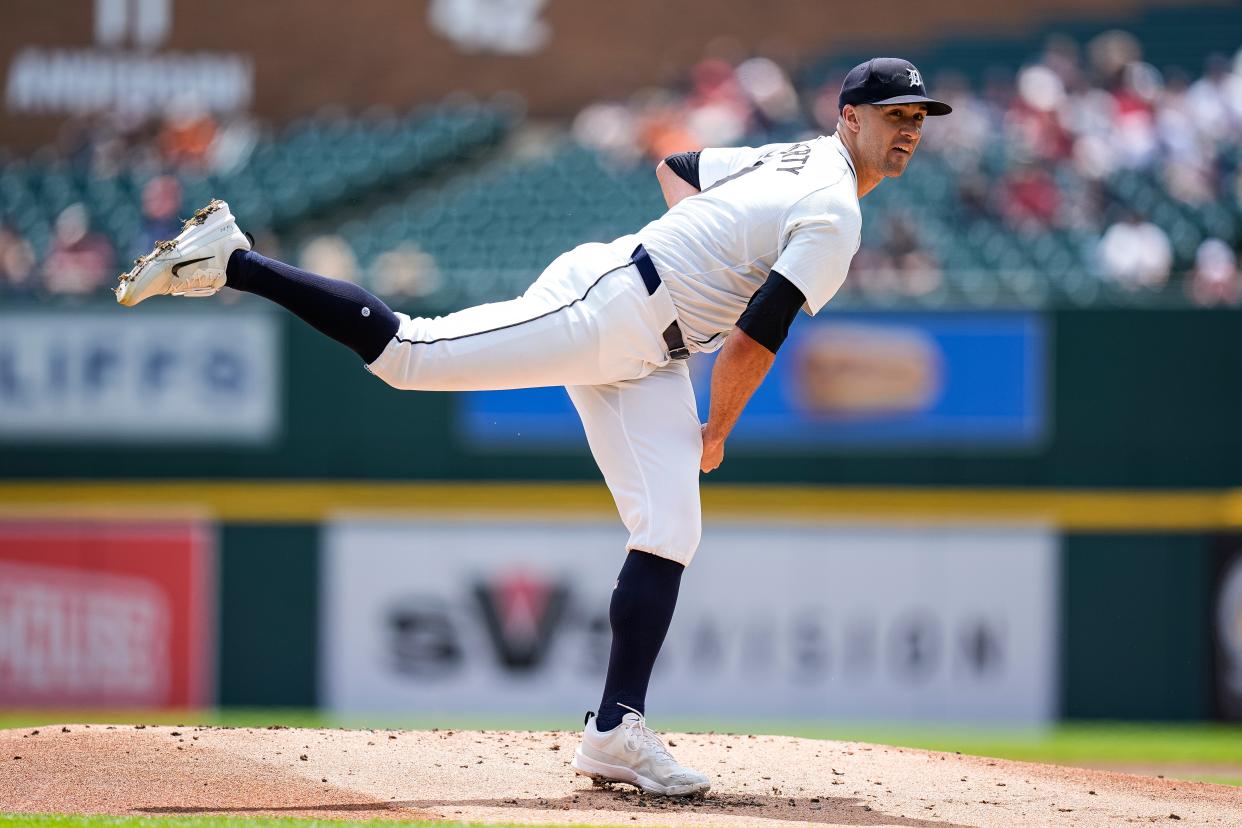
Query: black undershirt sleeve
771	311
686	165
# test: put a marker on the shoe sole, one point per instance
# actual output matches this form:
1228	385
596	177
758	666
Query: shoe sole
206	223
602	772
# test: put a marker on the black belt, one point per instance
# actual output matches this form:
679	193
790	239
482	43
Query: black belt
651	278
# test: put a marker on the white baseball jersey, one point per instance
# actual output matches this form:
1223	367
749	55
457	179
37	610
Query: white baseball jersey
589	322
792	208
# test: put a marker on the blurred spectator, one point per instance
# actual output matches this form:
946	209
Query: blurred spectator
1110	53
1041	149
78	261
610	128
234	142
17	263
1134	253
718	111
1215	100
1058	151
330	255
187	136
1029	195
161	201
917	271
902	266
974	193
1134	121
725	106
1062	56
773	101
405	272
662	127
1033	122
824	112
1215	279
964	136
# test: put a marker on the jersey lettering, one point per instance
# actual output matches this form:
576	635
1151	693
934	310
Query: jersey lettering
794	159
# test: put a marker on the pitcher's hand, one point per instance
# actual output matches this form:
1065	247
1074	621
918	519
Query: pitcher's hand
713	453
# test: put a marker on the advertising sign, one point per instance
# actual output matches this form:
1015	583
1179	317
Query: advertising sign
929	623
874	381
1227	629
106	614
126	69
139	377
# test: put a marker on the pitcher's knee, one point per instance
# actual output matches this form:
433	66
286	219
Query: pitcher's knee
670	535
389	368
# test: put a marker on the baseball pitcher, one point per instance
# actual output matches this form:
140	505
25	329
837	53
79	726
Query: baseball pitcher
752	236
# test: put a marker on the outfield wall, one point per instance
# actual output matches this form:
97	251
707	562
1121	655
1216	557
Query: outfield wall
1065	399
1115	432
483	610
1133	627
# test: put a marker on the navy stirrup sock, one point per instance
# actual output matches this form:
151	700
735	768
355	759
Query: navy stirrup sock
342	310
640	614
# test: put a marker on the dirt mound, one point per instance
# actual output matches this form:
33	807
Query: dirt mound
522	777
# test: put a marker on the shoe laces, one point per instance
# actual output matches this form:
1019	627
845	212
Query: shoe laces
638	735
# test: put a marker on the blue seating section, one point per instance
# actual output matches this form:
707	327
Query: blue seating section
491	228
493	232
312	166
490	235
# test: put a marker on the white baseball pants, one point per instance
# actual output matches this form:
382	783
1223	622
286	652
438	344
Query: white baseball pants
586	323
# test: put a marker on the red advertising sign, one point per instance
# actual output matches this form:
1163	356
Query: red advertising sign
106	613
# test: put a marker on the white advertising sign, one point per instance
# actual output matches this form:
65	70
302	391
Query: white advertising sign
139	377
927	623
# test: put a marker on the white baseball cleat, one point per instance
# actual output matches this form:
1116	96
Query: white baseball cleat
192	264
632	754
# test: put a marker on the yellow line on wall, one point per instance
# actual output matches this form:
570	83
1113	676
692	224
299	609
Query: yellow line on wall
312	501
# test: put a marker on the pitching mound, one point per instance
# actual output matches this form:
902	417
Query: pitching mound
525	777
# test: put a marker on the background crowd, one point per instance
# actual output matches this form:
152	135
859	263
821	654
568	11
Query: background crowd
1088	158
1049	147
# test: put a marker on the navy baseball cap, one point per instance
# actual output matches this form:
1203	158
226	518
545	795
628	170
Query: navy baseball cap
888	81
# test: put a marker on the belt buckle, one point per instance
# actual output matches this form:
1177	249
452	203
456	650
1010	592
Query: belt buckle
675	341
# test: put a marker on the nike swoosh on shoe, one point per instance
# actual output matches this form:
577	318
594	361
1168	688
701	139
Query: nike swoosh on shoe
177	267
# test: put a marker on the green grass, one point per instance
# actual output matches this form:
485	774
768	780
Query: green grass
1235	781
1070	743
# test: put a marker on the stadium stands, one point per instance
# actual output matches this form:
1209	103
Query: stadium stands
1054	141
1009	214
492	232
309	168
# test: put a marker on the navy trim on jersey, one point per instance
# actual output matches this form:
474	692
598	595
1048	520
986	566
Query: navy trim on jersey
686	166
647	269
515	324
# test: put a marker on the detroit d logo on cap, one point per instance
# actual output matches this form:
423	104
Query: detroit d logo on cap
915	78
